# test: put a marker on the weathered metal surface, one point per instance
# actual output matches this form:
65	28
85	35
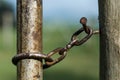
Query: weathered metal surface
109	18
29	38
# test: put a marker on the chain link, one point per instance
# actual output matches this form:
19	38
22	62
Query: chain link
48	60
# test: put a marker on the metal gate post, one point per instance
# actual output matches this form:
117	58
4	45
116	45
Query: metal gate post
109	18
29	38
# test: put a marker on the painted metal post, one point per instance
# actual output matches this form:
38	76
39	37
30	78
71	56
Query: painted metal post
109	19
29	38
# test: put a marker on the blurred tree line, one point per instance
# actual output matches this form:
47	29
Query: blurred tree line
7	15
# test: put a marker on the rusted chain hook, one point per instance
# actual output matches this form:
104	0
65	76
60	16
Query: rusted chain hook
49	61
83	21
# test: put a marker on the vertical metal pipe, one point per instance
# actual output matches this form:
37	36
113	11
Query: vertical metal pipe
29	38
109	19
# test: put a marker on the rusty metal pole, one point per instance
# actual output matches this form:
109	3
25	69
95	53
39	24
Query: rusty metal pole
109	18
29	38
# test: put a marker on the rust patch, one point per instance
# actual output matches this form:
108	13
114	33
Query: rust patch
36	39
36	66
36	35
36	76
35	46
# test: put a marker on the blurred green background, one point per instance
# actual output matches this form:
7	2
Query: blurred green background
81	63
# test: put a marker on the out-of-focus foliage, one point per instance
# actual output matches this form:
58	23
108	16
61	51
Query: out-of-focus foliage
6	10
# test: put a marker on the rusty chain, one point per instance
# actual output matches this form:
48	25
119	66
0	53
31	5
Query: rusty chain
49	61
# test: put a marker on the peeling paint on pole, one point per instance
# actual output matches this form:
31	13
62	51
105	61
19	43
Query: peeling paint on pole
29	38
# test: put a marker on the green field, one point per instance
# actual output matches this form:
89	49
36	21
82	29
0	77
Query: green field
81	63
